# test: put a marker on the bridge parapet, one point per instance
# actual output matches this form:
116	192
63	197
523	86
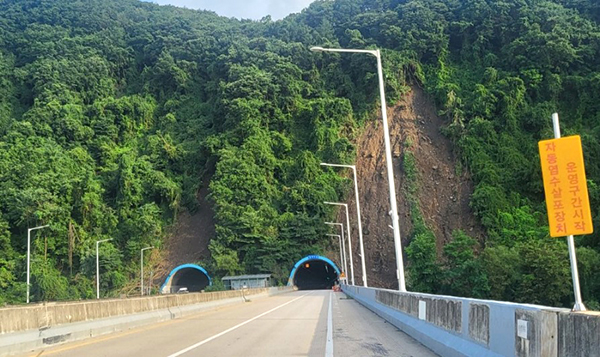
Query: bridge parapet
35	326
51	314
453	326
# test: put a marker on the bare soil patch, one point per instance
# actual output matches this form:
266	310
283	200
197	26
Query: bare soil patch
188	238
443	195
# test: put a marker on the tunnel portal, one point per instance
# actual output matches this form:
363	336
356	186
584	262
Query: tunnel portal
192	277
314	272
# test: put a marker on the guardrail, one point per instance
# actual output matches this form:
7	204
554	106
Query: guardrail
452	326
23	328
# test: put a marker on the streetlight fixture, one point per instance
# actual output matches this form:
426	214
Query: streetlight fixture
29	254
388	159
340	240
98	267
349	236
142	268
343	245
360	235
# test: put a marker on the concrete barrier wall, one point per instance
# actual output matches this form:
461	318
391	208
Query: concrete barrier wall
452	326
33	327
579	334
45	315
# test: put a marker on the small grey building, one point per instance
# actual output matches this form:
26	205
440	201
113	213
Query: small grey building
247	281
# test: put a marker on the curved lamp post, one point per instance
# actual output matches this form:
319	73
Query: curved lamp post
349	236
29	254
360	235
388	159
142	268
340	240
98	267
343	246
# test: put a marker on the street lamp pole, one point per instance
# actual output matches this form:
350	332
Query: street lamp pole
343	245
388	158
29	254
340	240
349	236
98	267
142	269
360	235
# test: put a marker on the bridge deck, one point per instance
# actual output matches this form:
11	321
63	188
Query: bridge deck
289	324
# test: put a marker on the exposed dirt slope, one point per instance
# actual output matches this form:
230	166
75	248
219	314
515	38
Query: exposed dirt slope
443	195
189	237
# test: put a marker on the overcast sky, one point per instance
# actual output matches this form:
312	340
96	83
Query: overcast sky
243	9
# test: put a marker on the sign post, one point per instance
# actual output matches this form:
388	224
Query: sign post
566	194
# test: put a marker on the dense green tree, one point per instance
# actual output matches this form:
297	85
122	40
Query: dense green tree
424	270
463	275
7	261
545	276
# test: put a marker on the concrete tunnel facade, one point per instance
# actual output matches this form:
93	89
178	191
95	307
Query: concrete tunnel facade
190	276
314	272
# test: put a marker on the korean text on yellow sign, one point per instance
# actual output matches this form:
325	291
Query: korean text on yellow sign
565	187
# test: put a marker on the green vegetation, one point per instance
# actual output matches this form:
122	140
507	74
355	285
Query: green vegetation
113	112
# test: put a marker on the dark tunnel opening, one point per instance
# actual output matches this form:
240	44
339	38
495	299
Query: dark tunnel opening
315	274
192	279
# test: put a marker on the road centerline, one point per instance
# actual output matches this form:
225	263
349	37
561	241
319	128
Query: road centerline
329	346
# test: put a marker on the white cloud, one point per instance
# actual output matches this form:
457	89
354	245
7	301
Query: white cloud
243	9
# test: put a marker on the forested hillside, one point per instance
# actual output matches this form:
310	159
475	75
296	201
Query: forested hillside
113	112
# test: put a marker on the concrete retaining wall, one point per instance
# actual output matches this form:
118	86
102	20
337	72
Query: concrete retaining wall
453	326
26	328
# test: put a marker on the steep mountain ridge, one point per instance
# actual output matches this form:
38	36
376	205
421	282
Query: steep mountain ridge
110	111
443	194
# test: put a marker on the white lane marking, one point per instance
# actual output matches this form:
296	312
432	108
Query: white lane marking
233	328
329	346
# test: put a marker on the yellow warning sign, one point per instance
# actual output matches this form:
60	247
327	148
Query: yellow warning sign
342	275
565	186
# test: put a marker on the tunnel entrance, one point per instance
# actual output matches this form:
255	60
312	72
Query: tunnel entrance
314	272
187	277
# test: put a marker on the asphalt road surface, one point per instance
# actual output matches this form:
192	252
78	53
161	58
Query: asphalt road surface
301	323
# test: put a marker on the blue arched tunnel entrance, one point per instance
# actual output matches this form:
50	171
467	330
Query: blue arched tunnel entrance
314	272
190	276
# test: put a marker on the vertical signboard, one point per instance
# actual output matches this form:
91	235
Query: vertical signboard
565	186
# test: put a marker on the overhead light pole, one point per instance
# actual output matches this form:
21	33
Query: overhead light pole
98	266
343	245
360	235
29	254
340	240
349	236
142	269
388	159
